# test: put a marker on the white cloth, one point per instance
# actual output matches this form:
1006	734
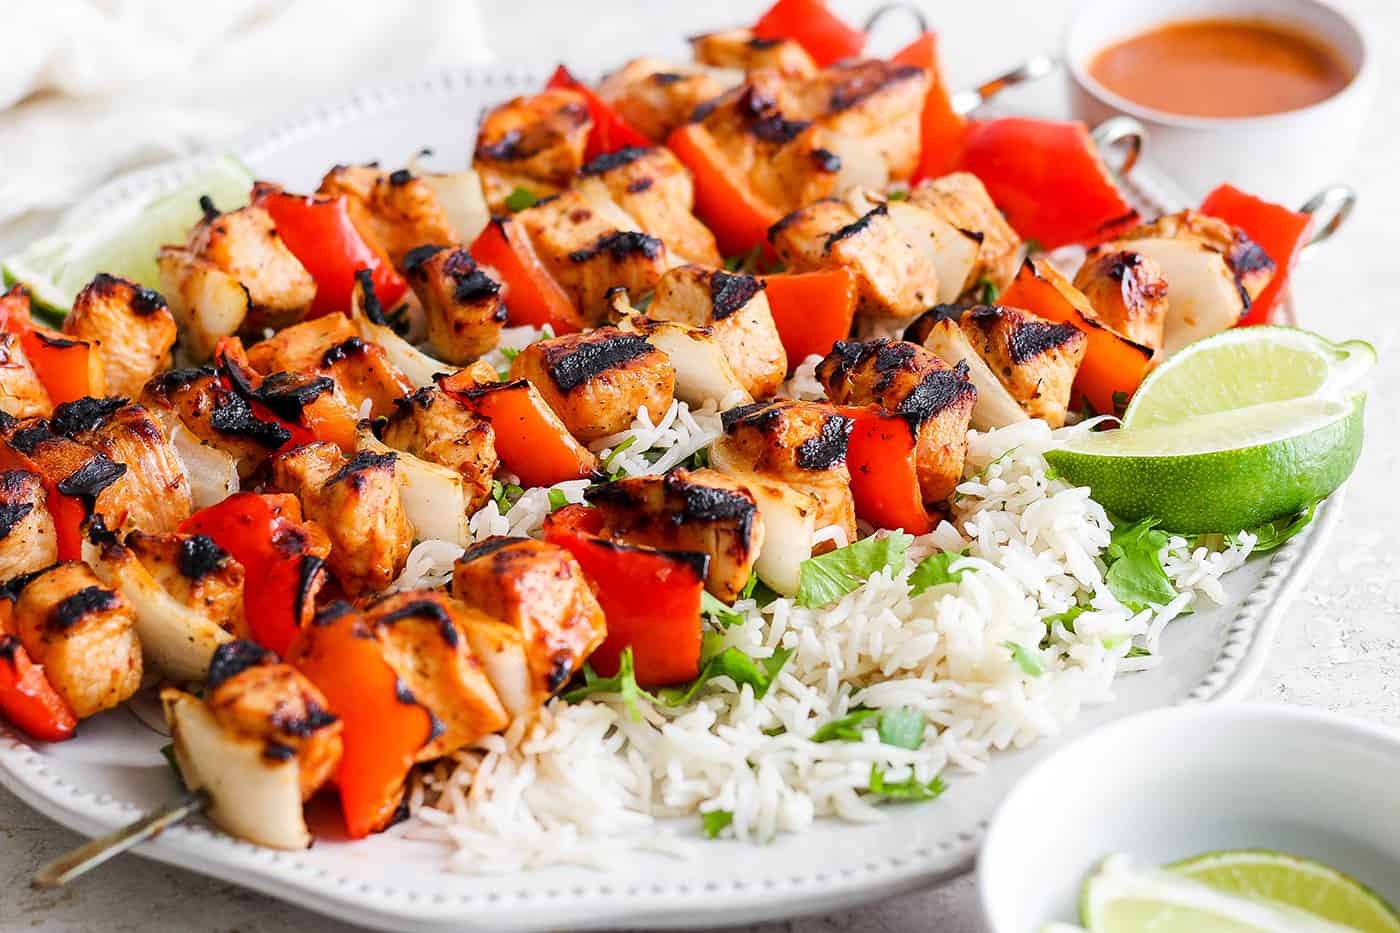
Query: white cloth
91	88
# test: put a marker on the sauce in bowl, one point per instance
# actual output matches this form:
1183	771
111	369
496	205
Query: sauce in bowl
1221	68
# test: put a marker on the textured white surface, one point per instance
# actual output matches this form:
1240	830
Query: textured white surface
1339	647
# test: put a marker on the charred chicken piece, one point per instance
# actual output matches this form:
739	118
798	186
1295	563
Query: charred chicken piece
331	346
357	502
961	200
81	632
461	303
1128	292
736	309
742	50
1253	268
196	573
28	541
72	468
655	97
684	510
1035	359
398	211
532	142
131	326
598	381
905	379
435	426
656	190
22	395
540	592
216	415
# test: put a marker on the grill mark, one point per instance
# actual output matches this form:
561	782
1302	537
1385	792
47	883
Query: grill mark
173	380
310	578
762	45
329	613
198	556
775	129
419	255
369	299
287	394
619	245
316	718
88	481
84	414
854	227
11	514
729	293
665	78
27	440
1247	256
469	283
560	670
363	461
828	448
233	658
826	161
144	301
400	177
573	363
488	547
70	611
608	161
347	348
232	415
422	609
866	79
754	413
938	390
637	186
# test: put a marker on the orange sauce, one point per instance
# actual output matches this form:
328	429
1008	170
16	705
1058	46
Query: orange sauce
1221	68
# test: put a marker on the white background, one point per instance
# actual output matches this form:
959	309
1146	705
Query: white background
1340	646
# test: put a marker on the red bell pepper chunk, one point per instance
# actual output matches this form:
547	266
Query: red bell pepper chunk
812	310
724	201
1113	366
27	699
941	128
530	439
882	454
650	597
382	734
320	233
822	33
68	512
266	535
610	132
69	369
1279	232
1048	180
531	294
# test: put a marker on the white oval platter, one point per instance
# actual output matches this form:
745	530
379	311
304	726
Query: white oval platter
113	772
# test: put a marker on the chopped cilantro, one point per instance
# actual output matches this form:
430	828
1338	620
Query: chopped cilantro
847	728
737	666
902	727
1138	652
623	683
776	730
987	291
699	460
1271	535
827	578
719	613
510	353
899	194
557	500
613	454
908	790
1027	660
714	822
519	199
1065	618
933	570
1135	575
505	495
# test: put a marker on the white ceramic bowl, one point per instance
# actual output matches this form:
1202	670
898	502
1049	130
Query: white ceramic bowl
1179	782
1285	157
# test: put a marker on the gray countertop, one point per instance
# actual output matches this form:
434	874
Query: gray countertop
1339	647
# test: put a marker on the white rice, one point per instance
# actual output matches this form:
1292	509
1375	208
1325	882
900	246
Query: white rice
583	783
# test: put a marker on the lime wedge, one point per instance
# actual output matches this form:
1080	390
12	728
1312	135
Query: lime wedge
1123	899
1288	879
56	267
1248	366
1220	472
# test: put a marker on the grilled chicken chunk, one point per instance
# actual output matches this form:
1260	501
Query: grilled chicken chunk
215	414
331	346
82	633
1128	292
655	97
532	142
132	327
431	641
657	191
591	245
75	469
598	381
903	378
28	541
207	302
244	245
874	103
741	49
397	211
1035	359
1253	268
22	395
435	426
961	200
896	278
357	502
461	303
802	444
684	510
154	492
736	309
540	591
196	572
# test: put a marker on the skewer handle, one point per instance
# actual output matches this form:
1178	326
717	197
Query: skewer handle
88	856
1032	69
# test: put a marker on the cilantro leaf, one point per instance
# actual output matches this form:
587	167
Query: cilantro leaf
698	460
987	291
519	199
1065	618
613	455
899	194
902	727
623	683
906	791
738	667
1137	651
510	353
505	495
758	591
827	578
1135	575
1271	535
714	822
933	570
847	728
557	500
1027	660
720	613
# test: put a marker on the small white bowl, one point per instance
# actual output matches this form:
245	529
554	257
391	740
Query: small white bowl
1284	157
1183	781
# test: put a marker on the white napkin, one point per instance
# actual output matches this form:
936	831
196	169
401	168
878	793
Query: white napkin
91	88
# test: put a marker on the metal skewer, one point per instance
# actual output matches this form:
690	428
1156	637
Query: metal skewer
88	856
1032	69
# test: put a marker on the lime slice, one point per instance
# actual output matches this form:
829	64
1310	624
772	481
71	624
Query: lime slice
1288	879
1248	366
1219	472
56	267
1123	899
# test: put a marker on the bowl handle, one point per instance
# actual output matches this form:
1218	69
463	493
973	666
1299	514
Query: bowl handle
1120	132
1330	207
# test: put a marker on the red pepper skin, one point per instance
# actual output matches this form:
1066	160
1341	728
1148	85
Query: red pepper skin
825	37
531	294
724	202
319	232
650	597
68	512
1047	179
69	369
941	128
265	534
27	699
1279	232
812	310
882	455
610	132
382	734
530	439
